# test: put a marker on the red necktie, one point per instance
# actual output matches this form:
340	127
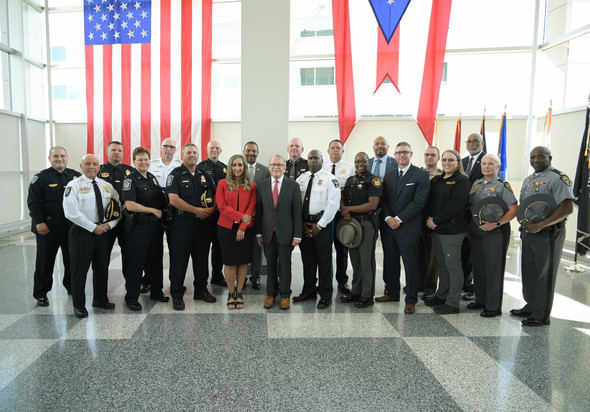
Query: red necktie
275	193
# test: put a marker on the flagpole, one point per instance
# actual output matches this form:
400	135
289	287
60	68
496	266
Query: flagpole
576	267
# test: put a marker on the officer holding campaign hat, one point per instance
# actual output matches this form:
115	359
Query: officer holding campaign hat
493	206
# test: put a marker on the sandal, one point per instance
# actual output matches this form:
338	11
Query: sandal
231	300
239	304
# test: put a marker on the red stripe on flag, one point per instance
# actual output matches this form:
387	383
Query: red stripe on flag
89	57
165	69
146	94
457	144
186	72
126	102
433	66
206	75
343	60
388	58
107	102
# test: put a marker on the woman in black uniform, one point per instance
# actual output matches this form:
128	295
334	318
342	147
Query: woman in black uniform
145	199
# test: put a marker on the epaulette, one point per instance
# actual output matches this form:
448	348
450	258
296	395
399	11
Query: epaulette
562	176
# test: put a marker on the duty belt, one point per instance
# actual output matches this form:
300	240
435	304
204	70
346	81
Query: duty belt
315	218
146	217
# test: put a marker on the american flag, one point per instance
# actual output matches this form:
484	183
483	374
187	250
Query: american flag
148	73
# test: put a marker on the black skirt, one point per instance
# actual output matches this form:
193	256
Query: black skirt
232	251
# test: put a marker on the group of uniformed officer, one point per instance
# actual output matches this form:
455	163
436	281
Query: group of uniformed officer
83	208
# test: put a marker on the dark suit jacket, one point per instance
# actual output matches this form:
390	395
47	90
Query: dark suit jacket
475	172
405	199
391	164
262	173
286	217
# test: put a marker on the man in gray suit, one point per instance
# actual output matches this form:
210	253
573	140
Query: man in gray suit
257	173
381	164
279	229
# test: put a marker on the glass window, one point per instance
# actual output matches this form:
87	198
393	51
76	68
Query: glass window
580	14
307	76
69	94
3	23
67	46
34	27
36	97
226	91
324	76
226	30
5	89
60	92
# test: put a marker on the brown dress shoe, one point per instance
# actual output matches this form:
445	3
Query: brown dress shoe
285	303
410	308
386	298
269	302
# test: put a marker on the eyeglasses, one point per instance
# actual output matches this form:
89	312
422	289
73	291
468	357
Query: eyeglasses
276	165
472	141
448	160
404	153
429	154
167	146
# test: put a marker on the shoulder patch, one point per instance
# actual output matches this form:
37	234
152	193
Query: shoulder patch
67	192
126	185
127	172
169	180
376	182
507	186
566	180
104	175
336	182
35	178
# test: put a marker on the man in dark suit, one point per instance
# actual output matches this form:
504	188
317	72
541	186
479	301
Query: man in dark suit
381	164
257	173
472	163
405	192
279	229
472	167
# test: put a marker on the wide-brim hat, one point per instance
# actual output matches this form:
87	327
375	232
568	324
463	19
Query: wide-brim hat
350	234
535	208
490	209
113	210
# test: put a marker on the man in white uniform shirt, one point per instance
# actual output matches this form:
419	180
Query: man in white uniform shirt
162	167
320	193
342	170
85	202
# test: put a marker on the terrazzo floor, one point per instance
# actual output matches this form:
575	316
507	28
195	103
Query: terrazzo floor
207	358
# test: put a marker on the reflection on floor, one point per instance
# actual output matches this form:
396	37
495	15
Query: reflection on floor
342	358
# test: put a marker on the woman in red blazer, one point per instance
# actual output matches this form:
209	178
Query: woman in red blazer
236	199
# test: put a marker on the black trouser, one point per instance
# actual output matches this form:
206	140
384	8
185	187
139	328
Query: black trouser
427	267
278	264
118	233
341	255
216	261
47	247
189	237
254	267
87	248
316	254
154	270
466	265
142	246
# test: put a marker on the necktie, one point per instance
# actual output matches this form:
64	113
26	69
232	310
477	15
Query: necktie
469	165
306	199
401	175
292	172
251	167
275	193
378	168
334	169
99	206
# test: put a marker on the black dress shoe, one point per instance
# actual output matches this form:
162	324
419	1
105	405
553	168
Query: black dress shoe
475	306
445	310
535	322
103	305
349	298
427	296
521	313
80	312
43	301
160	298
177	304
144	289
303	298
434	302
343	288
363	302
135	306
219	282
323	304
206	296
490	313
255	284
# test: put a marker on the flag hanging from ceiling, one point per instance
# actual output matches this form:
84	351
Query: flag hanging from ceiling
148	73
503	173
457	144
482	132
581	192
547	128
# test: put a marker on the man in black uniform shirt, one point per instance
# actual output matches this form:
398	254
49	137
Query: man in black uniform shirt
296	165
49	223
114	172
217	170
192	194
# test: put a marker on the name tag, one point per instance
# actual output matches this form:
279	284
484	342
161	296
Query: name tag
410	184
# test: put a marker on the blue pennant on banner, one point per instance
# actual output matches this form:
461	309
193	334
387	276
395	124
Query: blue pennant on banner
388	14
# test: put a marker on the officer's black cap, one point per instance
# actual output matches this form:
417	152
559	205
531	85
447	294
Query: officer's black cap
535	208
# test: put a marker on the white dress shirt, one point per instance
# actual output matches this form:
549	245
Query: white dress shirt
161	171
324	196
342	171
